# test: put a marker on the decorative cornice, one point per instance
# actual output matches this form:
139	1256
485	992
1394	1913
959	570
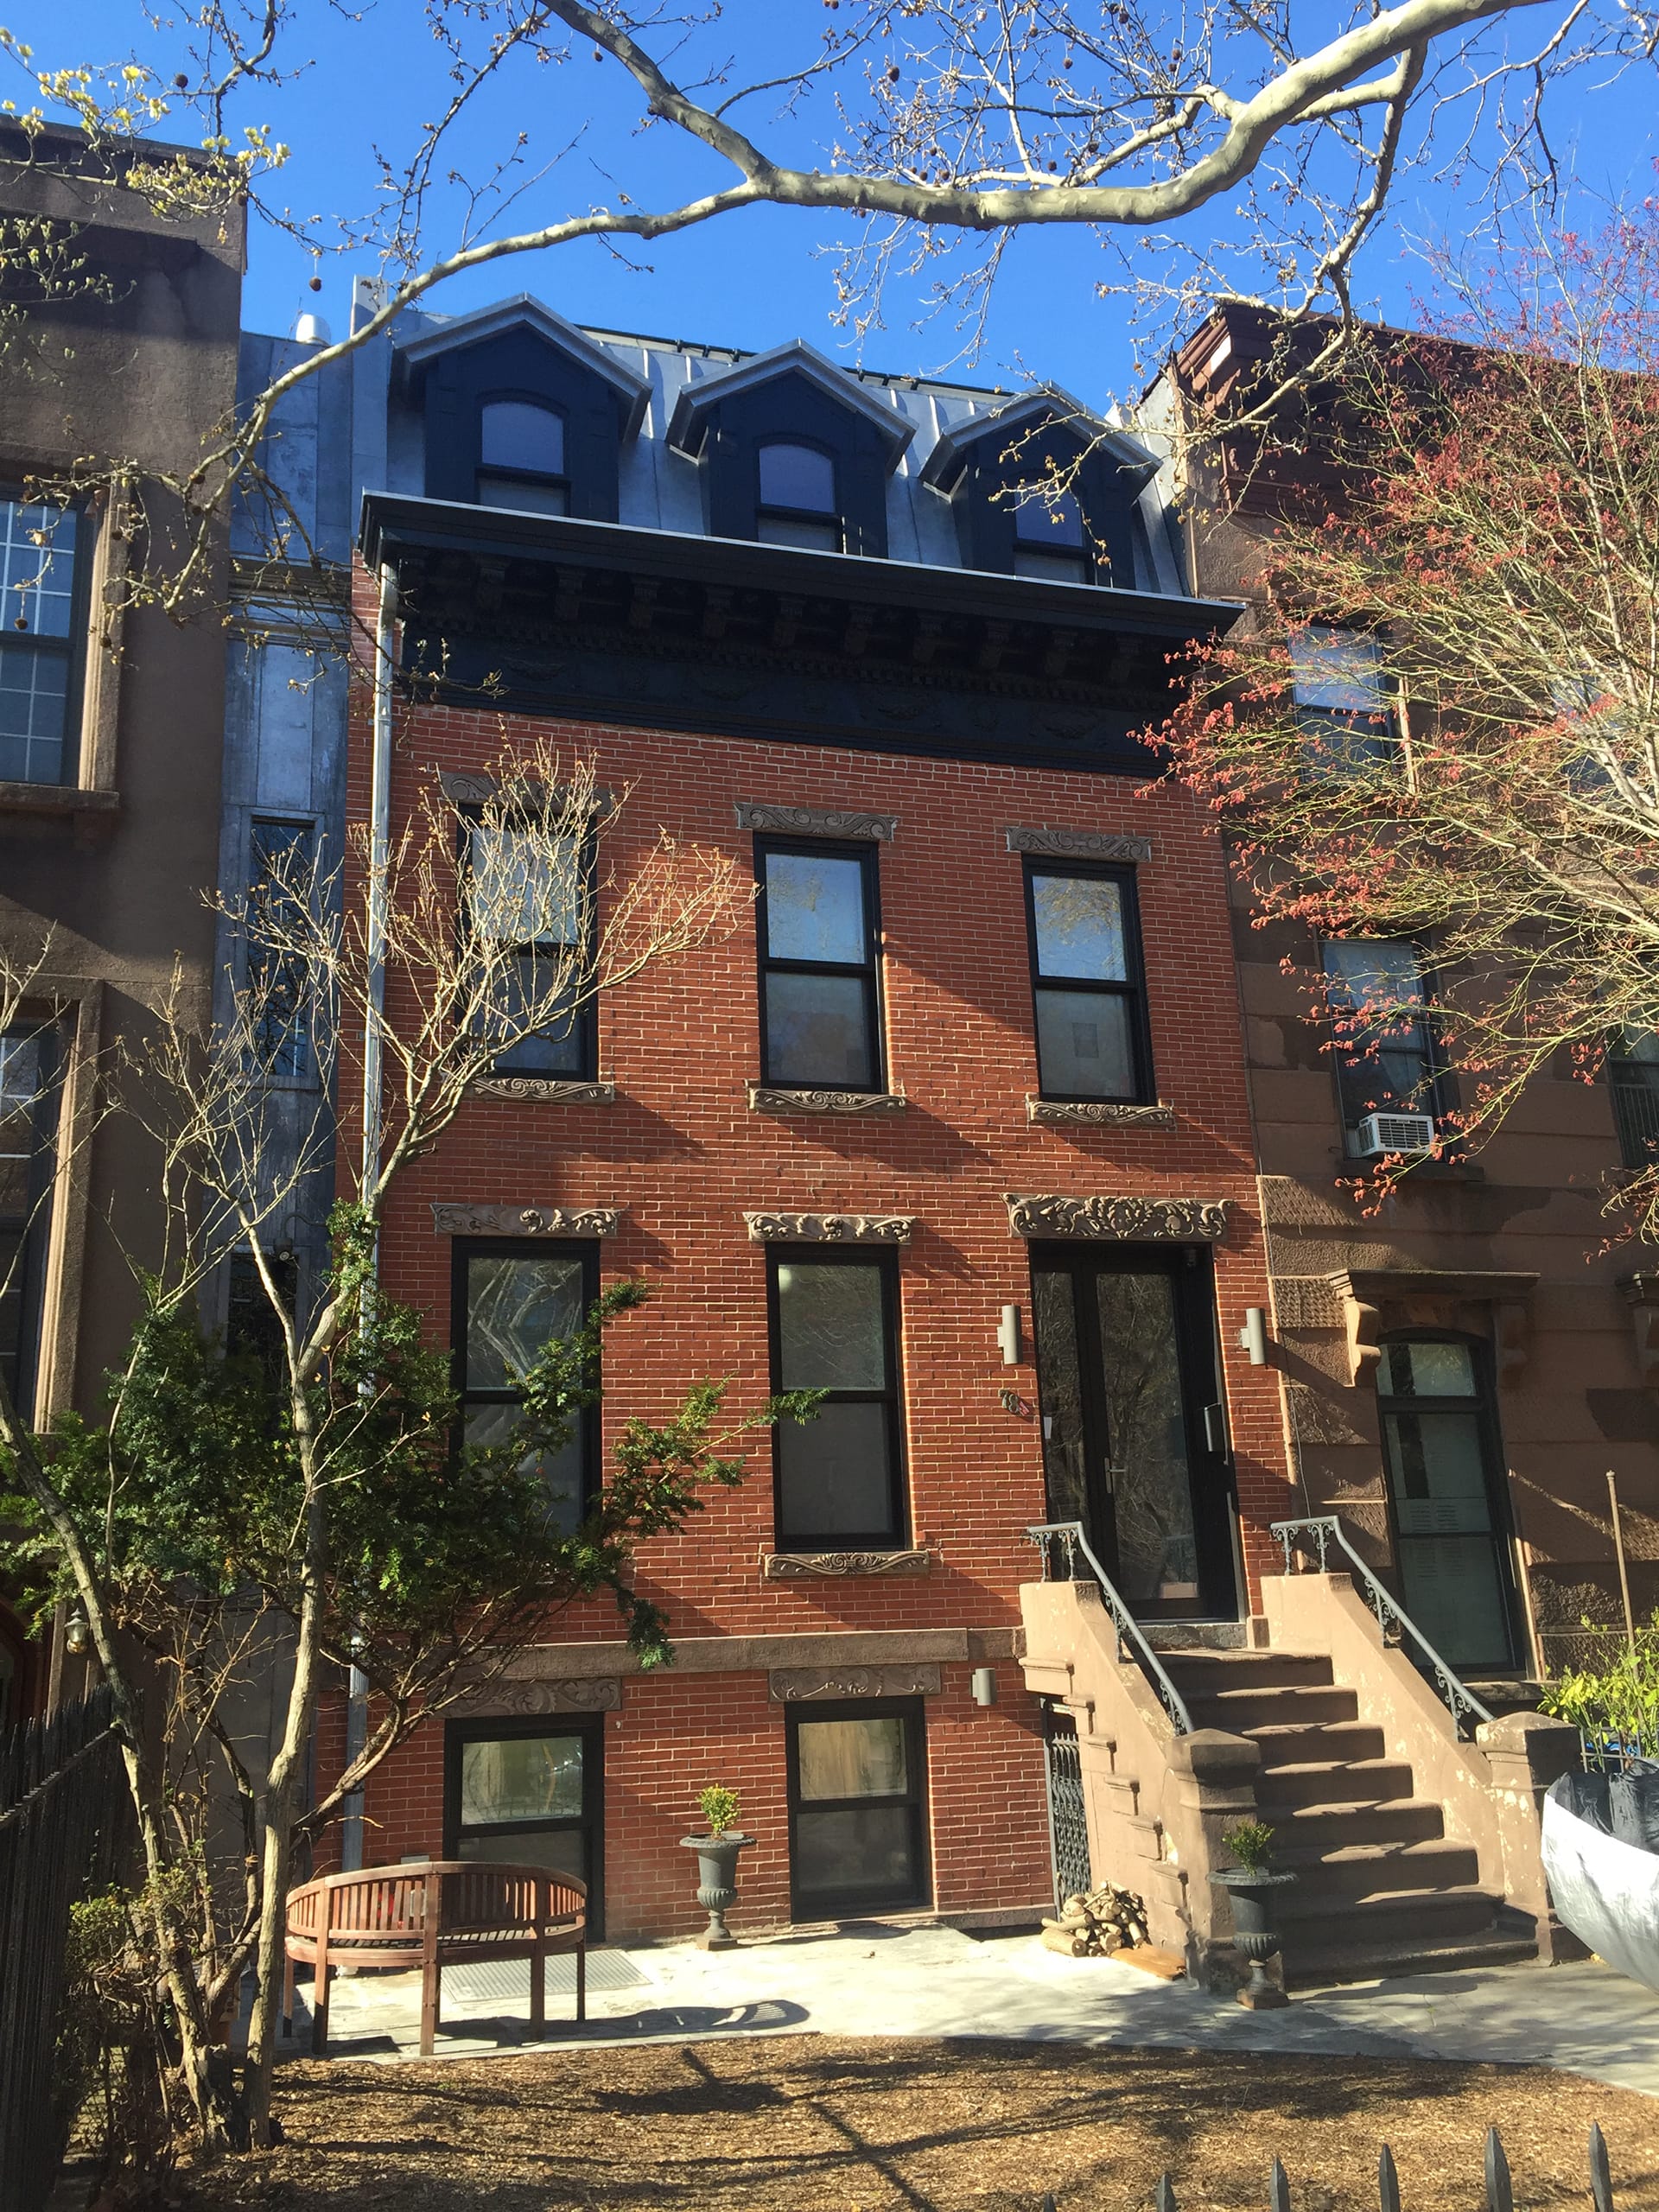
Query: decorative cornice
829	1228
815	1567
814	821
1077	844
591	1693
1100	1112
546	1090
1128	1219
803	1685
769	1098
456	1220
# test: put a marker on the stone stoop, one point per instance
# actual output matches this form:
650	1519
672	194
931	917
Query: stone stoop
1383	1890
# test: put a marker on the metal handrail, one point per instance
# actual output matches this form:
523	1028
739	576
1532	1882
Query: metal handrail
1070	1536
1317	1534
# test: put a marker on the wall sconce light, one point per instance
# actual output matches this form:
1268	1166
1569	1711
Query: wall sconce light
1253	1336
984	1686
1007	1336
77	1635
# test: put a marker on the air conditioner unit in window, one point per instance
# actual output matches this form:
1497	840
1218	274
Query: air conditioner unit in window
1381	1133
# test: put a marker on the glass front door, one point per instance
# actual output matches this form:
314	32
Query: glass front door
857	1827
1133	1445
528	1794
1437	1437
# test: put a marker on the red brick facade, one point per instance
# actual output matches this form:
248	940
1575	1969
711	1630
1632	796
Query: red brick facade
683	1156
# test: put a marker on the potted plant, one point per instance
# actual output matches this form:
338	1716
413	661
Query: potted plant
1251	1886
717	1863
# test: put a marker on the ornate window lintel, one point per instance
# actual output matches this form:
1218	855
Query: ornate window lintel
816	821
817	1567
1077	844
770	1098
1101	1113
799	1685
829	1228
547	1089
1125	1219
455	1219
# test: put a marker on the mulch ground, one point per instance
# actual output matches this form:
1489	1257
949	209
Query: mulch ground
816	2124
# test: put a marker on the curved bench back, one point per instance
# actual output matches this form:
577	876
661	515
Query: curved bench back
387	1905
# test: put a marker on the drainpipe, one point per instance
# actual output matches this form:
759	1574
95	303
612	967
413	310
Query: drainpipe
357	1708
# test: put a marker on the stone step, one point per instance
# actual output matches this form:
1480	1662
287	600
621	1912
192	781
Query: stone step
1201	1673
1300	1744
1324	1825
1243	1710
1363	1925
1320	1782
1375	1870
1306	1966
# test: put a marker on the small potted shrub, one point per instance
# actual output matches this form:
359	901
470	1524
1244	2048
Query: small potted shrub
1251	1886
717	1853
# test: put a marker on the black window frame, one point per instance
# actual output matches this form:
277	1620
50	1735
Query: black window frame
1134	989
896	1536
840	1905
464	1249
302	1074
1494	1466
488	1729
870	970
765	509
585	1025
251	1330
71	649
506	473
1345	1062
1044	542
1633	1094
33	1226
1350	741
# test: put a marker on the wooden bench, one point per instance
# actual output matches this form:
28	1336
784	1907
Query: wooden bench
447	1913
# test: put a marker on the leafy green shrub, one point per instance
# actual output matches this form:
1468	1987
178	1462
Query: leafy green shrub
1251	1844
1614	1701
719	1808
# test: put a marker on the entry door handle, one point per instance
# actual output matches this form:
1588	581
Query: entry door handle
1215	1430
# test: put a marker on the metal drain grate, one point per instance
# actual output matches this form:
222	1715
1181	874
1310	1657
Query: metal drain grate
508	1979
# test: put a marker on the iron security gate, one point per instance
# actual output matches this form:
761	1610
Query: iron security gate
1068	1828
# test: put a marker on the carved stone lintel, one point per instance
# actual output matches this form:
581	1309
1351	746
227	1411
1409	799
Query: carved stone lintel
814	1566
1127	1219
816	821
829	1228
546	1090
767	1098
462	788
453	1220
1101	1113
803	1685
1077	844
597	1694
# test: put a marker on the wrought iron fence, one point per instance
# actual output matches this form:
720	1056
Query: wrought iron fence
1500	2188
64	1812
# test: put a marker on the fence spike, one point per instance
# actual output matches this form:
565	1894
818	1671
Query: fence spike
1277	2188
1388	2182
1048	2202
1601	2179
1500	2196
1165	2200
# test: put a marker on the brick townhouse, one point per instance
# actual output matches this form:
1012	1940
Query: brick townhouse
956	1128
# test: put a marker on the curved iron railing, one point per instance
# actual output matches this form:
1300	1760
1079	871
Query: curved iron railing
1317	1537
1069	1537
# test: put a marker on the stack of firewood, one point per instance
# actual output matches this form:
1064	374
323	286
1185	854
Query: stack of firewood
1098	1923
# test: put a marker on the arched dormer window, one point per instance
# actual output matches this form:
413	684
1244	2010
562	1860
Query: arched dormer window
521	457
796	504
1050	539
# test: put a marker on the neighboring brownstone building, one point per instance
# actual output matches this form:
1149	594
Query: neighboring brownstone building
110	736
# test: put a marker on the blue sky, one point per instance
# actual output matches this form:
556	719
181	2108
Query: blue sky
764	274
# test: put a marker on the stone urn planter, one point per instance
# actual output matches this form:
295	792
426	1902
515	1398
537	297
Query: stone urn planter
1254	1890
717	1883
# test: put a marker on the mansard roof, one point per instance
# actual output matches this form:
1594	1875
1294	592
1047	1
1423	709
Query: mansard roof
1027	411
686	427
526	312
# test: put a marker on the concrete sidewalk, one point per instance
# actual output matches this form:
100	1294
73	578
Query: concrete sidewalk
880	1981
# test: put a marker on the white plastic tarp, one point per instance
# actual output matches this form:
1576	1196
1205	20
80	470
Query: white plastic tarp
1607	1893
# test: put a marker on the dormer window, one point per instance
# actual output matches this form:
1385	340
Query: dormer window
521	458
1049	539
797	504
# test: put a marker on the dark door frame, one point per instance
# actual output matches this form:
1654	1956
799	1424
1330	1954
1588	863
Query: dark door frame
831	1904
1209	1446
590	1727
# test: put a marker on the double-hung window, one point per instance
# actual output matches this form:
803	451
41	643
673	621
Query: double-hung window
510	1301
521	458
1345	703
530	902
282	871
1087	986
1050	539
839	1475
1379	1011
38	547
820	1012
1633	1079
796	504
29	1118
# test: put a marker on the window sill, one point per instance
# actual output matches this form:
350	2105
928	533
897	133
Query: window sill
772	1098
1100	1112
56	798
819	1566
546	1090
